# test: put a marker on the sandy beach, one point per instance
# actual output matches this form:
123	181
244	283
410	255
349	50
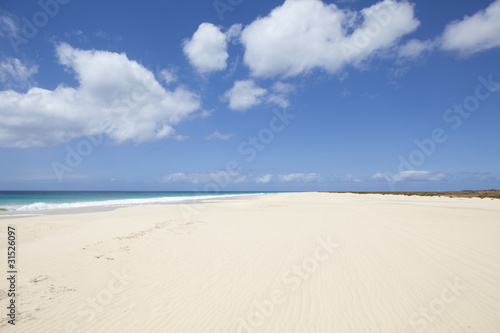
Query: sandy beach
289	262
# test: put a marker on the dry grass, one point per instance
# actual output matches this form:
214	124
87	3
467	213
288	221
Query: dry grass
493	194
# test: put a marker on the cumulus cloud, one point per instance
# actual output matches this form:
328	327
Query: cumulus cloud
179	177
217	176
474	33
410	176
115	96
379	176
280	94
279	100
169	75
244	94
467	177
302	35
264	179
300	178
220	136
283	88
14	73
415	48
180	137
233	32
207	113
242	179
207	49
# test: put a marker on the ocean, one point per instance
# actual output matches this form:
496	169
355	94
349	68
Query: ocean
34	202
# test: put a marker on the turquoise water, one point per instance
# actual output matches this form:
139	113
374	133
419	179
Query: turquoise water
36	201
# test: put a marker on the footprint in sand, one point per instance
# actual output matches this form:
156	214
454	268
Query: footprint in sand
102	256
39	278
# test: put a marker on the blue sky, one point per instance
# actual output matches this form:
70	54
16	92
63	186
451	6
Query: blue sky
249	95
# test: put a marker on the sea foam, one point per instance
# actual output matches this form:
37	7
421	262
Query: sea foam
38	206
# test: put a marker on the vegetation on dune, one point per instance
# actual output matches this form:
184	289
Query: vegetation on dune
493	194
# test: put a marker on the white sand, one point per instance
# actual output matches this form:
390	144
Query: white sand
298	262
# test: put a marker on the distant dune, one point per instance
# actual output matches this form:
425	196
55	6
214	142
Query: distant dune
494	194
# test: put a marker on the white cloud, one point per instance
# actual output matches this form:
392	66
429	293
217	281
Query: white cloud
181	137
14	73
242	179
175	178
279	100
233	32
414	175
233	65
379	176
8	24
302	35
397	72
411	176
101	34
217	176
415	48
281	90
264	179
344	178
220	136
169	75
428	176
467	177
351	178
115	96
207	113
207	49
300	178
474	33
78	34
244	94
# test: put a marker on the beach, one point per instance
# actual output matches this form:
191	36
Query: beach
285	262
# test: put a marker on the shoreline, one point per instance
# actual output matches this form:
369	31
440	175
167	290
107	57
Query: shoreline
98	208
308	262
6	214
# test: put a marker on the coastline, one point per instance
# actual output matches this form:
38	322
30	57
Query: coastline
295	262
82	205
